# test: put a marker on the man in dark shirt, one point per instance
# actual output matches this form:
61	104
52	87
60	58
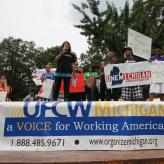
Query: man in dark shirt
133	93
108	94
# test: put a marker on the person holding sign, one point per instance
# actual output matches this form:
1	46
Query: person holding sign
157	88
48	74
47	78
64	59
4	87
132	93
90	84
108	94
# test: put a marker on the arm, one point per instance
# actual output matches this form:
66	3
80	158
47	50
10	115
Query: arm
26	98
57	57
103	64
6	87
43	77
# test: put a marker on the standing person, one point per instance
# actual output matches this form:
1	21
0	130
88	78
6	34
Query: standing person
102	82
134	93
157	88
4	86
109	94
78	96
90	84
64	59
48	75
30	97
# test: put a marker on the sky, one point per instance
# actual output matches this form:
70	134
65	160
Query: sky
46	22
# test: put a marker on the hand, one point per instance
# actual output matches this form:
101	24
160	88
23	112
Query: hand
4	81
43	79
74	76
62	52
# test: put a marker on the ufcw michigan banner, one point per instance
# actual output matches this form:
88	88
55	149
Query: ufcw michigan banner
50	126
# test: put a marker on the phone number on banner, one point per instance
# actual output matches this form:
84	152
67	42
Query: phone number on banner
37	142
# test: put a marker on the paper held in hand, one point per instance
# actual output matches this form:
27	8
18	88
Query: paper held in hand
46	89
3	96
91	82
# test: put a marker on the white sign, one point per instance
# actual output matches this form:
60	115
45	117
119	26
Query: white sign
37	75
46	89
157	68
140	44
3	96
127	74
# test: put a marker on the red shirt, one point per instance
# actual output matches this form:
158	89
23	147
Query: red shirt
1	87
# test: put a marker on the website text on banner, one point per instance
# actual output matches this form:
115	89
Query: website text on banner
50	126
140	44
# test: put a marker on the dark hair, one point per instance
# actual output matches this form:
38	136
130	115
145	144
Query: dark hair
4	76
127	48
157	46
68	44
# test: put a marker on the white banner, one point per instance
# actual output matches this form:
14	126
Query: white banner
140	44
127	74
157	68
53	126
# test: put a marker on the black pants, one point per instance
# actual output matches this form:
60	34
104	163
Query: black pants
108	94
80	96
102	88
114	94
58	81
92	95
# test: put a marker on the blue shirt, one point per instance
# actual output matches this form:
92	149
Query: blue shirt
157	57
49	75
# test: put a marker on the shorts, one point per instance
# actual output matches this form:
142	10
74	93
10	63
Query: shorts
157	88
133	93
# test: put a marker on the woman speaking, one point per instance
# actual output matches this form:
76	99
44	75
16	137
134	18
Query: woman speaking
64	70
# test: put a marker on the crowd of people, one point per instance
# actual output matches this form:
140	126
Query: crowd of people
94	80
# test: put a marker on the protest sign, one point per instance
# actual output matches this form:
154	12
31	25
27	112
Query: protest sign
127	74
140	44
157	68
38	73
46	89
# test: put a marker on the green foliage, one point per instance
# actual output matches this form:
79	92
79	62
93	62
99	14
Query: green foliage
47	57
107	30
18	63
19	59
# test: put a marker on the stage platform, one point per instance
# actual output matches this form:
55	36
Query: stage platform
90	157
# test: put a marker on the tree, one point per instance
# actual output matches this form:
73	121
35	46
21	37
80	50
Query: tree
19	60
148	19
107	30
47	56
18	63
